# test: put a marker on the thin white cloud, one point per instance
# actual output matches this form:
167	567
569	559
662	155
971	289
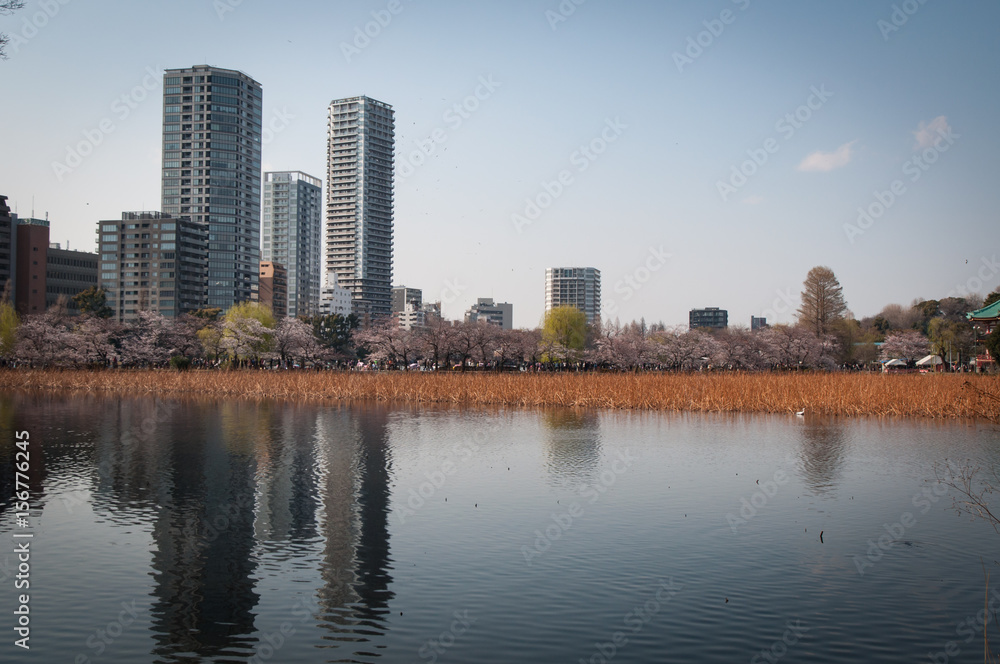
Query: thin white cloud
827	161
753	200
929	132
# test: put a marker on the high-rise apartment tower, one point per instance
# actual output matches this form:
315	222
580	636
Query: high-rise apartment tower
359	207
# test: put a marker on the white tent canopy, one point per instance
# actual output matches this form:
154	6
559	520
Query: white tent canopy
895	363
930	360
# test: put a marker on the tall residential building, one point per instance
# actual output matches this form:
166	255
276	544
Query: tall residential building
152	261
291	235
211	171
578	287
499	314
402	296
757	323
274	288
359	207
711	317
67	273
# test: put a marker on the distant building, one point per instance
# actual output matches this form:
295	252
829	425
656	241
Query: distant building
359	208
712	317
984	321
333	299
68	273
31	264
151	261
758	323
273	286
292	229
411	317
578	287
501	315
432	312
8	250
402	296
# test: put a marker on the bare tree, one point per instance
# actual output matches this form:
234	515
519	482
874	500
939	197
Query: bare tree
822	300
7	7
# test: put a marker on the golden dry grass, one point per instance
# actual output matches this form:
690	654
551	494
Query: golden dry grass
908	395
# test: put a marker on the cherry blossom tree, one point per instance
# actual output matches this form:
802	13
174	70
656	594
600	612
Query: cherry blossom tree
146	340
43	340
904	345
293	340
97	339
623	347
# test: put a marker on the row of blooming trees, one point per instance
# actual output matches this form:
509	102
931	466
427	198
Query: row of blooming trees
248	335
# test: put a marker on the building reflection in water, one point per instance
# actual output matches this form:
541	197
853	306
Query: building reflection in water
223	488
572	446
354	481
204	537
822	454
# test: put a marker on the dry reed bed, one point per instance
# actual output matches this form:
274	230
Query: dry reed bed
910	395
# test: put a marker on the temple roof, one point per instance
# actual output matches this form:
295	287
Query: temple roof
986	313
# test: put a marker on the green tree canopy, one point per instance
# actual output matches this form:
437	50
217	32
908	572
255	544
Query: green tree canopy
565	327
991	298
94	301
9	323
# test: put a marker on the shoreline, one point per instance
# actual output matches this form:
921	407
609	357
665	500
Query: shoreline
944	396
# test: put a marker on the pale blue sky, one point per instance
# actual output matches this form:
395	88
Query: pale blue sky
655	186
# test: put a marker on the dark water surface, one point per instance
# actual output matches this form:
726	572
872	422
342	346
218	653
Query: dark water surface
223	531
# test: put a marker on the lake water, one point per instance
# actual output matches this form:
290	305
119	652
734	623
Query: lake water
222	531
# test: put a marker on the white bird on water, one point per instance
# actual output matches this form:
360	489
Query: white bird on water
801	413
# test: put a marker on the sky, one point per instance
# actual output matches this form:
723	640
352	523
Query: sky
700	154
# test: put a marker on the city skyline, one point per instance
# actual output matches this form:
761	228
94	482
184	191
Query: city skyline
748	149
